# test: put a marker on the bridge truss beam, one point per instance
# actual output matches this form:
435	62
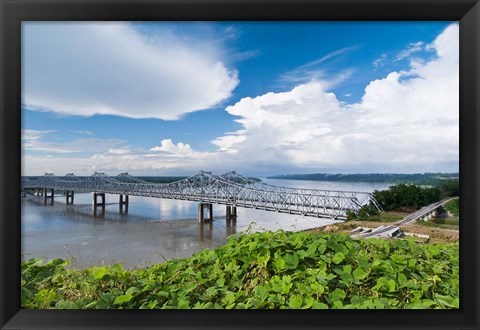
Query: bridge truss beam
228	189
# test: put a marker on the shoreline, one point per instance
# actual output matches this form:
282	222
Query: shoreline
435	234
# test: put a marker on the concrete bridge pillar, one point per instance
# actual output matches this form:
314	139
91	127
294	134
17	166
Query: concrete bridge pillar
123	199
48	194
123	203
95	199
69	197
96	212
231	213
201	215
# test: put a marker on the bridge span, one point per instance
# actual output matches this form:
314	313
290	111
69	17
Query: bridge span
230	189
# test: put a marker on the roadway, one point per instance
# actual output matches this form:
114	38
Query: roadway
390	230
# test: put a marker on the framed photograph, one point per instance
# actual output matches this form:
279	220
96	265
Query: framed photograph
240	164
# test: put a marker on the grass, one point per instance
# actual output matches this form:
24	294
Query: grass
445	223
386	217
453	207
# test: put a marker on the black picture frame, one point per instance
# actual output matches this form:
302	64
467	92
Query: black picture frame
13	12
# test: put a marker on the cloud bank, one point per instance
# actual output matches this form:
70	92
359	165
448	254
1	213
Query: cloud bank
407	121
109	68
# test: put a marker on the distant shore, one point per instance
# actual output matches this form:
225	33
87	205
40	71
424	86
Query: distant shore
394	178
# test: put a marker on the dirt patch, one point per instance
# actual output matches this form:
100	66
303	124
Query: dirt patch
436	235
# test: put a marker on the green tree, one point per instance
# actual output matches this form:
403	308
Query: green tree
406	197
450	187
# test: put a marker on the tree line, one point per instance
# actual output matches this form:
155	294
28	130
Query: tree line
395	178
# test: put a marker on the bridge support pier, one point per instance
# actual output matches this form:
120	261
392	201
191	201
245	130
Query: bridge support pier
48	194
95	200
69	197
123	203
231	213
201	215
122	200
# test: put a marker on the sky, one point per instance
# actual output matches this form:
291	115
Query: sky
260	98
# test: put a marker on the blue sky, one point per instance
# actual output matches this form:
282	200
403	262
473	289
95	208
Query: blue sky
262	98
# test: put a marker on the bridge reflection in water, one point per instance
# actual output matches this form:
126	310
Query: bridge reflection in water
230	189
82	213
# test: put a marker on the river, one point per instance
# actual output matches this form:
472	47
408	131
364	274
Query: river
152	231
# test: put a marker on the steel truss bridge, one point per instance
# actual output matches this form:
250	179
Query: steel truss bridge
230	189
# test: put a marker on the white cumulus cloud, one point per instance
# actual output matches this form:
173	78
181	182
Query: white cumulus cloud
90	68
167	146
407	121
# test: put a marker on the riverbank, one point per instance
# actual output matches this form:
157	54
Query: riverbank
436	234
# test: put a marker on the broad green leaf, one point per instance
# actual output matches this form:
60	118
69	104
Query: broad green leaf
319	305
210	292
338	304
66	304
317	288
359	274
340	248
286	287
347	269
183	304
378	304
291	261
286	279
280	263
308	302
229	297
401	279
311	250
391	285
295	302
338	257
221	282
262	293
133	291
337	294
122	299
99	273
398	259
321	249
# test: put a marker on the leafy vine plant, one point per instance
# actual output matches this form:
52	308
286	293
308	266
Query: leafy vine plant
261	270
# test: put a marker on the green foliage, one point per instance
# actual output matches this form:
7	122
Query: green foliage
403	197
261	270
449	187
364	213
385	217
453	206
